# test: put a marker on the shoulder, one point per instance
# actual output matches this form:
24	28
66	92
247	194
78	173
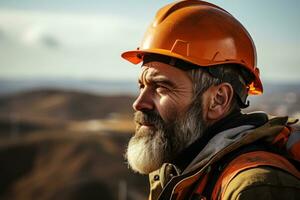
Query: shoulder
264	183
249	174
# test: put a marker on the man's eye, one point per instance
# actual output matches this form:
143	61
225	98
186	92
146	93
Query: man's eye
161	89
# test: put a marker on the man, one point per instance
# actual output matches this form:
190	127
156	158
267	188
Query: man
199	65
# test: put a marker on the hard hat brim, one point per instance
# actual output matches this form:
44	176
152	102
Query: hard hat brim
136	56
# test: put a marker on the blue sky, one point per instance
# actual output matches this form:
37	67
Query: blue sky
84	38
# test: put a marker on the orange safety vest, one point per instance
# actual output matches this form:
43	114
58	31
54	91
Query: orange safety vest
285	139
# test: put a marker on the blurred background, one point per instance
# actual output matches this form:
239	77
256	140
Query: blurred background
66	94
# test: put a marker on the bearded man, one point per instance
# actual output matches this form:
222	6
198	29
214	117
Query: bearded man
198	67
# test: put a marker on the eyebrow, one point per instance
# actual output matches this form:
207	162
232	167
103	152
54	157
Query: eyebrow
157	80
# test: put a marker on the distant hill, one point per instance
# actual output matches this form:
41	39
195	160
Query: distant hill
51	109
278	99
8	86
64	105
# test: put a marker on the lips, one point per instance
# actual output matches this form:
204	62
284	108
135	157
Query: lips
143	122
147	120
146	124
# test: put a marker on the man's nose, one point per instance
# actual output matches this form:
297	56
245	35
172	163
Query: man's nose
144	101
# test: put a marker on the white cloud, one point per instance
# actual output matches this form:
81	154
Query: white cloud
85	45
74	30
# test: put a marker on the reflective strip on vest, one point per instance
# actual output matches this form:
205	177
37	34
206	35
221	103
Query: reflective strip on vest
282	138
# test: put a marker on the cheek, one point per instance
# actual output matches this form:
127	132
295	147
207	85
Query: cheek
169	109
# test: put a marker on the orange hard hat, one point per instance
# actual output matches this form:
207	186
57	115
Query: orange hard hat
200	33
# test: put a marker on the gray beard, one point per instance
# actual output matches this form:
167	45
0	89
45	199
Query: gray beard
148	149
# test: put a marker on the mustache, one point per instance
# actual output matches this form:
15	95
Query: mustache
149	118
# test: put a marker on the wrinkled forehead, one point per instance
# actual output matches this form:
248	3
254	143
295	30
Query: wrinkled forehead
157	69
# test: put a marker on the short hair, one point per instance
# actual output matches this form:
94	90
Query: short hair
202	80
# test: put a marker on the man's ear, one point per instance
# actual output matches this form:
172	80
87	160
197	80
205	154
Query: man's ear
219	103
